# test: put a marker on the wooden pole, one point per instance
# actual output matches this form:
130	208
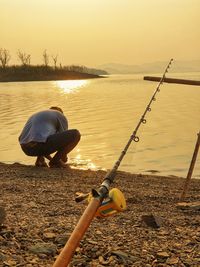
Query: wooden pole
191	168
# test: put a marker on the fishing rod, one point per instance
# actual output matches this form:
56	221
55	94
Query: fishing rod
110	176
102	202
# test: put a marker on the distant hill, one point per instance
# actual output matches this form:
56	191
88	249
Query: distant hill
154	67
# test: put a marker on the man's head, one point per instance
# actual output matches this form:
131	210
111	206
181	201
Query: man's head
57	108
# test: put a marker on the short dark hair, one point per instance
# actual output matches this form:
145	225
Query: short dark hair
57	108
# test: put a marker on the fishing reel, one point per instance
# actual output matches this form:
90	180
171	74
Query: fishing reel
115	202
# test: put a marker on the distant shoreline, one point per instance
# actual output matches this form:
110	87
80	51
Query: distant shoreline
53	79
43	73
74	76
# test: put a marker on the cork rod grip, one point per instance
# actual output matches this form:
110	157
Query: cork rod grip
67	252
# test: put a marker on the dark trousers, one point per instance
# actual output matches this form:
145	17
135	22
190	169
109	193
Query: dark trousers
62	143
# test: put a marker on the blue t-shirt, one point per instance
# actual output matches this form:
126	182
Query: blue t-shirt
43	124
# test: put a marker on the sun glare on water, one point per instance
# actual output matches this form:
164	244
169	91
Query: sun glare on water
78	162
71	86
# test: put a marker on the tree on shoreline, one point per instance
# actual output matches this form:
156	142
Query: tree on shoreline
24	58
4	57
55	59
24	70
45	58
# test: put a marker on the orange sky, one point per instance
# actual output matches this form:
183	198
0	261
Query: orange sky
93	32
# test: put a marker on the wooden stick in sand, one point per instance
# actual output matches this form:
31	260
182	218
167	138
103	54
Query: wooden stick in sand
191	168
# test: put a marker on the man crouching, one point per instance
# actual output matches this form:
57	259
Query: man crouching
47	132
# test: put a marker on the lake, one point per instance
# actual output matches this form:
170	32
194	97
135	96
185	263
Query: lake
106	111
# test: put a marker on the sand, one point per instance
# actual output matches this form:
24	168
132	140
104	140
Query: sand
41	213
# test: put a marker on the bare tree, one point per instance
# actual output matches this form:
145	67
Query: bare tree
55	59
24	58
4	57
45	58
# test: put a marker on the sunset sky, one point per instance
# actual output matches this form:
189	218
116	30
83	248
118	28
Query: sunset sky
94	32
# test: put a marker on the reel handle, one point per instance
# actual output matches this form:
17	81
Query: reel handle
80	197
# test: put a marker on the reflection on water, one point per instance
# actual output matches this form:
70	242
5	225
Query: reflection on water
106	111
79	162
71	86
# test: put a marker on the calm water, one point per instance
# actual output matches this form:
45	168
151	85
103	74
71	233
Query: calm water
106	112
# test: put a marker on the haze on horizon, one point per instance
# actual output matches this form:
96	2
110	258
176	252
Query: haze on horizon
94	32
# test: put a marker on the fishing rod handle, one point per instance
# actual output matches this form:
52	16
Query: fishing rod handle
67	252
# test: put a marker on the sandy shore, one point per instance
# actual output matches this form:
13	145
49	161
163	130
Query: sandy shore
41	213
